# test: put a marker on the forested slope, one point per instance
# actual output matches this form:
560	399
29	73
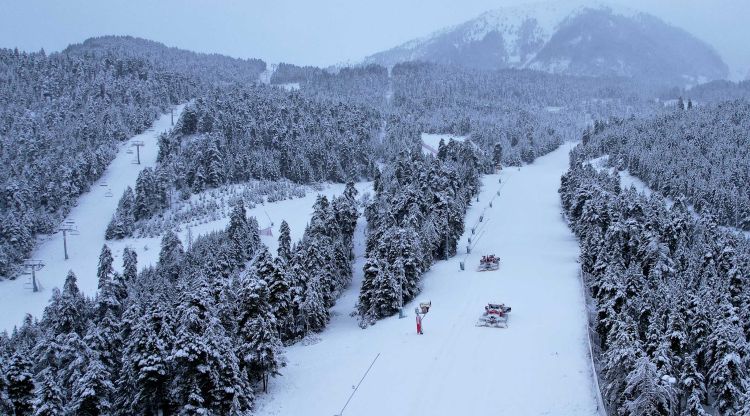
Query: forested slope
671	297
208	69
61	118
702	153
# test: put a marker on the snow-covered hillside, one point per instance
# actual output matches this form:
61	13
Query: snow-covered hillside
296	212
90	217
570	37
431	142
455	367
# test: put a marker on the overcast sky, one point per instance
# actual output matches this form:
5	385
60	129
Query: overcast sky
316	32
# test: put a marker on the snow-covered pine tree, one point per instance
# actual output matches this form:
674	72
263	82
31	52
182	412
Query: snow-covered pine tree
278	289
260	344
254	239
385	290
20	384
148	335
313	310
727	372
48	395
67	312
93	390
238	234
620	360
144	188
88	381
646	393
170	256
284	252
105	269
214	168
207	375
692	389
123	220
129	265
5	405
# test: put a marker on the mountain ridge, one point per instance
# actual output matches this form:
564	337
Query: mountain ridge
570	38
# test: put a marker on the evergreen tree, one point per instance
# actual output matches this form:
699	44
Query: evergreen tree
647	393
146	370
313	309
239	235
284	251
93	390
272	273
68	312
49	398
123	220
5	404
171	255
692	387
259	333
207	379
254	239
129	264
20	384
105	270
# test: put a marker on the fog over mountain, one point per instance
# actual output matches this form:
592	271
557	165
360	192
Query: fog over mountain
596	40
320	33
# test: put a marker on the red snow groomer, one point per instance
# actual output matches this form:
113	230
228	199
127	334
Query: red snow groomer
488	263
495	316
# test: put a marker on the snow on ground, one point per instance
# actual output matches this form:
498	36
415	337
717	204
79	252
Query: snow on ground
431	141
265	76
289	86
538	365
296	212
91	216
628	180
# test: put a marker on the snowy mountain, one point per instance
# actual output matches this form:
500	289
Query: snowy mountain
568	38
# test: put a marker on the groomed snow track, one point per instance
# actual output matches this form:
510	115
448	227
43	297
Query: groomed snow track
539	365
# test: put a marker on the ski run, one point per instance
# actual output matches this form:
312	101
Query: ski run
455	367
89	218
538	365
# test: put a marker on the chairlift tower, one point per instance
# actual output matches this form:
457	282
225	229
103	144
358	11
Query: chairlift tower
67	227
137	144
108	191
30	268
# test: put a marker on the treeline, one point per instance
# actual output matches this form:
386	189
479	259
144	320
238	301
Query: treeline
528	113
199	333
238	134
416	217
206	69
289	73
61	119
711	93
702	154
671	298
362	85
243	133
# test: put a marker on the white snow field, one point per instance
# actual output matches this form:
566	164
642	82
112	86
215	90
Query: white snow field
94	211
539	365
91	216
296	212
431	142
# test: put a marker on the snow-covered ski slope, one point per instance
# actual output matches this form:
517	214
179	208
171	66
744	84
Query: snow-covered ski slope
296	212
91	216
539	365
